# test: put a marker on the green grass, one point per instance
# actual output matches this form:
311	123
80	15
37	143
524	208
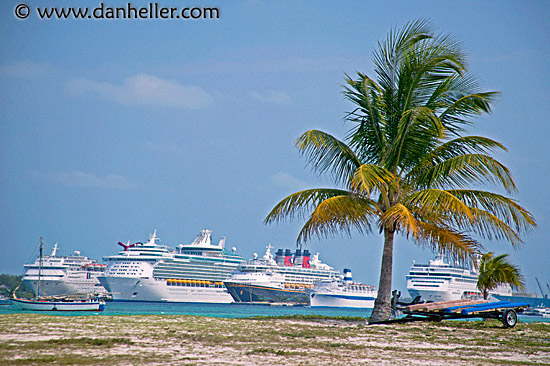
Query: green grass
30	339
311	318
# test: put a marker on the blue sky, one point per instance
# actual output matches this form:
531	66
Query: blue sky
114	128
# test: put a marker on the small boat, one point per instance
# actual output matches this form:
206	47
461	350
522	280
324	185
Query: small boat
56	303
5	300
539	311
61	305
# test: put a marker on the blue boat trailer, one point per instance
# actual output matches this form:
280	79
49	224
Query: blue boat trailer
504	311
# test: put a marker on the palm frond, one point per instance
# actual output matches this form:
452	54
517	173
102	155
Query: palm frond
466	106
463	170
367	137
421	173
495	271
506	209
340	213
369	178
389	54
490	227
449	241
426	66
301	203
438	202
457	99
400	218
459	146
418	130
326	153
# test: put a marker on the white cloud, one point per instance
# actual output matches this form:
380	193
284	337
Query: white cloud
78	178
145	89
275	97
287	181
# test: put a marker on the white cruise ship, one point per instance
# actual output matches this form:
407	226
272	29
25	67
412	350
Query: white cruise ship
441	281
284	279
343	293
67	275
154	272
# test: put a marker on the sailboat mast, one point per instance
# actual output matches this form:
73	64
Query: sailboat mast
40	268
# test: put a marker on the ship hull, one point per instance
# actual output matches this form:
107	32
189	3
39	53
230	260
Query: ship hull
247	293
532	301
59	305
145	289
434	295
341	301
449	294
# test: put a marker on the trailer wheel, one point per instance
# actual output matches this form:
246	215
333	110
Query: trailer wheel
509	318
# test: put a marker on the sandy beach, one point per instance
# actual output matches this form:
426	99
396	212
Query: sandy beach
34	339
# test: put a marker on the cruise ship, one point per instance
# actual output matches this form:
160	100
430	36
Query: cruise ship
154	272
64	275
343	293
284	279
442	281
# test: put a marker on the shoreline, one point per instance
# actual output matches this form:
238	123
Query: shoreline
34	339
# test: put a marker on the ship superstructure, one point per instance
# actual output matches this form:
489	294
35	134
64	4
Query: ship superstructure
284	278
187	273
64	275
443	281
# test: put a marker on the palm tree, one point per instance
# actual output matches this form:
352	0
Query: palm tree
495	271
406	166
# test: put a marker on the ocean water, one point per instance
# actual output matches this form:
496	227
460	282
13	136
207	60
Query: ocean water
210	310
217	310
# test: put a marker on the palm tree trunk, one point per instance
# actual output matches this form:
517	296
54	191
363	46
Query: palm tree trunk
382	304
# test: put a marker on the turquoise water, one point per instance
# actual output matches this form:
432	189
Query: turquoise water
216	310
211	310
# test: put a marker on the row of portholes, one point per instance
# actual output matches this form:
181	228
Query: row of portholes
194	283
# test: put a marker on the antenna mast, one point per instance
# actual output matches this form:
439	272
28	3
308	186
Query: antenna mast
40	268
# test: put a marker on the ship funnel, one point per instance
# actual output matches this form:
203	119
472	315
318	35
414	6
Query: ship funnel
305	259
288	257
280	257
347	275
298	258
